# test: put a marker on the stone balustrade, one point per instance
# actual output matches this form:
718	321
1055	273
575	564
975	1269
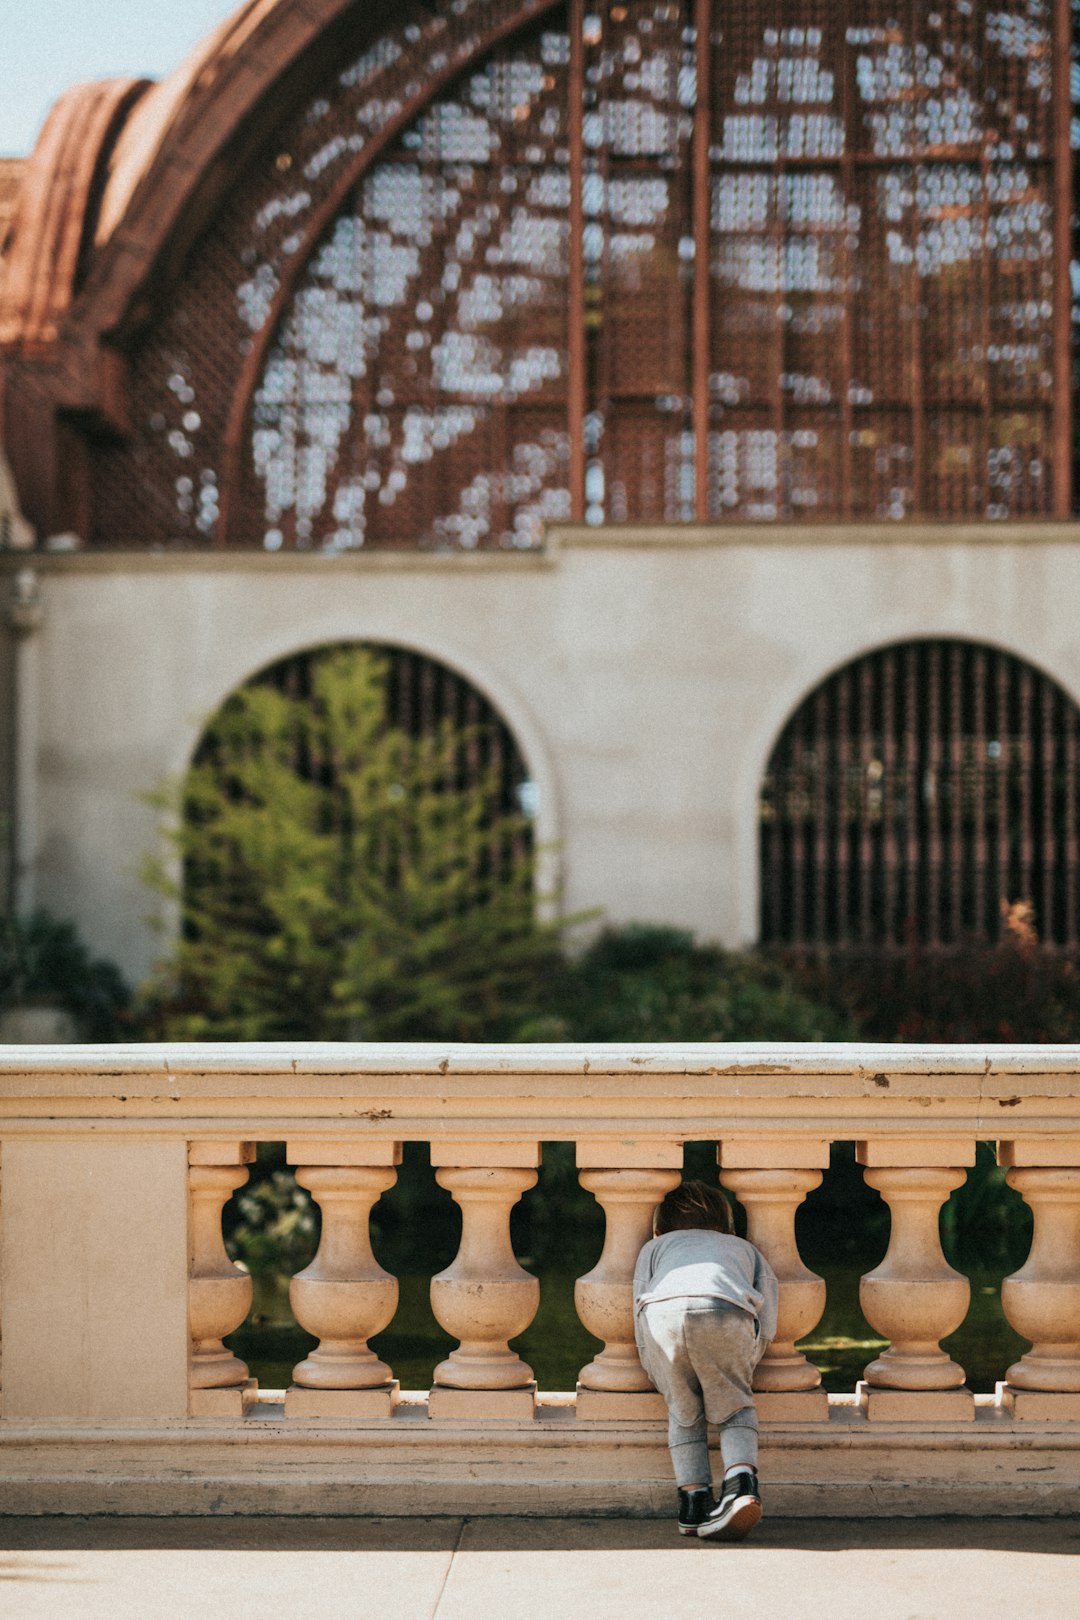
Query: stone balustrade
116	1290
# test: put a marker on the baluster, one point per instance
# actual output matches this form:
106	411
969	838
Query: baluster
1042	1299
344	1296
771	1179
219	1293
914	1298
628	1181
484	1297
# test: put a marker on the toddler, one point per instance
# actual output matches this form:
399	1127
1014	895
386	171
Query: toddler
704	1311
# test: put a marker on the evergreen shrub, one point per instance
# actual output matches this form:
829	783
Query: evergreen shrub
646	983
44	962
381	897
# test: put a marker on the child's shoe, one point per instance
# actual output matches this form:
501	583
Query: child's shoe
738	1510
694	1509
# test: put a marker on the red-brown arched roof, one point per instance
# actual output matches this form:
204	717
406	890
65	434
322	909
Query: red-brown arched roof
132	203
119	165
128	201
183	144
54	207
125	177
148	129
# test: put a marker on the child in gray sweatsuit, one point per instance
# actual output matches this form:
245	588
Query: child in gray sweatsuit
704	1311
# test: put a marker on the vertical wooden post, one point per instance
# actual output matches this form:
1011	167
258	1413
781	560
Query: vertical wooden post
576	275
1061	431
701	334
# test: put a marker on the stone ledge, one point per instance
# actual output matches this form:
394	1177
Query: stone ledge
611	1406
141	559
914	1406
791	1406
264	1419
400	1469
1037	1406
231	1401
336	1404
447	1404
840	532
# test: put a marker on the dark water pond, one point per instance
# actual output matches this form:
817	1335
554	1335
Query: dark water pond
556	1346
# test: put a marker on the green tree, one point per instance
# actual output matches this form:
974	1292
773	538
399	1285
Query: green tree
345	878
43	960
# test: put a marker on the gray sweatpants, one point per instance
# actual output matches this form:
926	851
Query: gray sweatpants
701	1354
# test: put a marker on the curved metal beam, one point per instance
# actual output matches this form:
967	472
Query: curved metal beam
519	14
201	109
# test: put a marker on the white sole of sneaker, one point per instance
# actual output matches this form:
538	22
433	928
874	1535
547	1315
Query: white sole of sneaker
736	1524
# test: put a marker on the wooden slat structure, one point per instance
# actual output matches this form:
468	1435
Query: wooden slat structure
657	261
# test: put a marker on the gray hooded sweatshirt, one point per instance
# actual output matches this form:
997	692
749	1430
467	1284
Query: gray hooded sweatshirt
697	1263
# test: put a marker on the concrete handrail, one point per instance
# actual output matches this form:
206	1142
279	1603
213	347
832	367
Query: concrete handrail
548	1092
117	1160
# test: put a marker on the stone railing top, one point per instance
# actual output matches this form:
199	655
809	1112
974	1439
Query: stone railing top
724	1060
675	1092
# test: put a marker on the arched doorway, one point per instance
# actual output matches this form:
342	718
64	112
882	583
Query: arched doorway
357	855
421	694
918	796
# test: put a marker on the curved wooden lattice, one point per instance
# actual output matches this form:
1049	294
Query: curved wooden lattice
417	387
653	262
919	795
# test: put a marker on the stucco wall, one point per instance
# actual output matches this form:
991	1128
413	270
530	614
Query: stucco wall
645	675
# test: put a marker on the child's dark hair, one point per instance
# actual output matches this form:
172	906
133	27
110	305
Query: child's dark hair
694	1205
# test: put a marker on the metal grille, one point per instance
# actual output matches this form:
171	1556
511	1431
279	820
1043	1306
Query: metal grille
168	485
423	699
916	796
416	391
658	261
884	318
637	244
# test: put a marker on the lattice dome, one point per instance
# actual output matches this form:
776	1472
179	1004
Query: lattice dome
648	262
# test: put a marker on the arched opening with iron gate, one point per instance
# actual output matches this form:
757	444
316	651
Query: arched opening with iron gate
924	794
357	854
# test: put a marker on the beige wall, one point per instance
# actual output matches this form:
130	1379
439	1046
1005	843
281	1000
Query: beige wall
94	1264
645	674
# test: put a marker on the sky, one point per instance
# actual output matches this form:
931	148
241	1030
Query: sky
51	44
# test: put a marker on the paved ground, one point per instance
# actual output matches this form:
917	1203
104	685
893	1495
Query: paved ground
533	1569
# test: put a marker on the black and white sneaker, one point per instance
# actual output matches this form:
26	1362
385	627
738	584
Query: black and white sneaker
694	1509
738	1510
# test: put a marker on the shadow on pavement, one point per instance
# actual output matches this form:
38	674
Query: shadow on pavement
531	1534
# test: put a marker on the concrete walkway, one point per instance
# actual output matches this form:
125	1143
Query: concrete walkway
533	1569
